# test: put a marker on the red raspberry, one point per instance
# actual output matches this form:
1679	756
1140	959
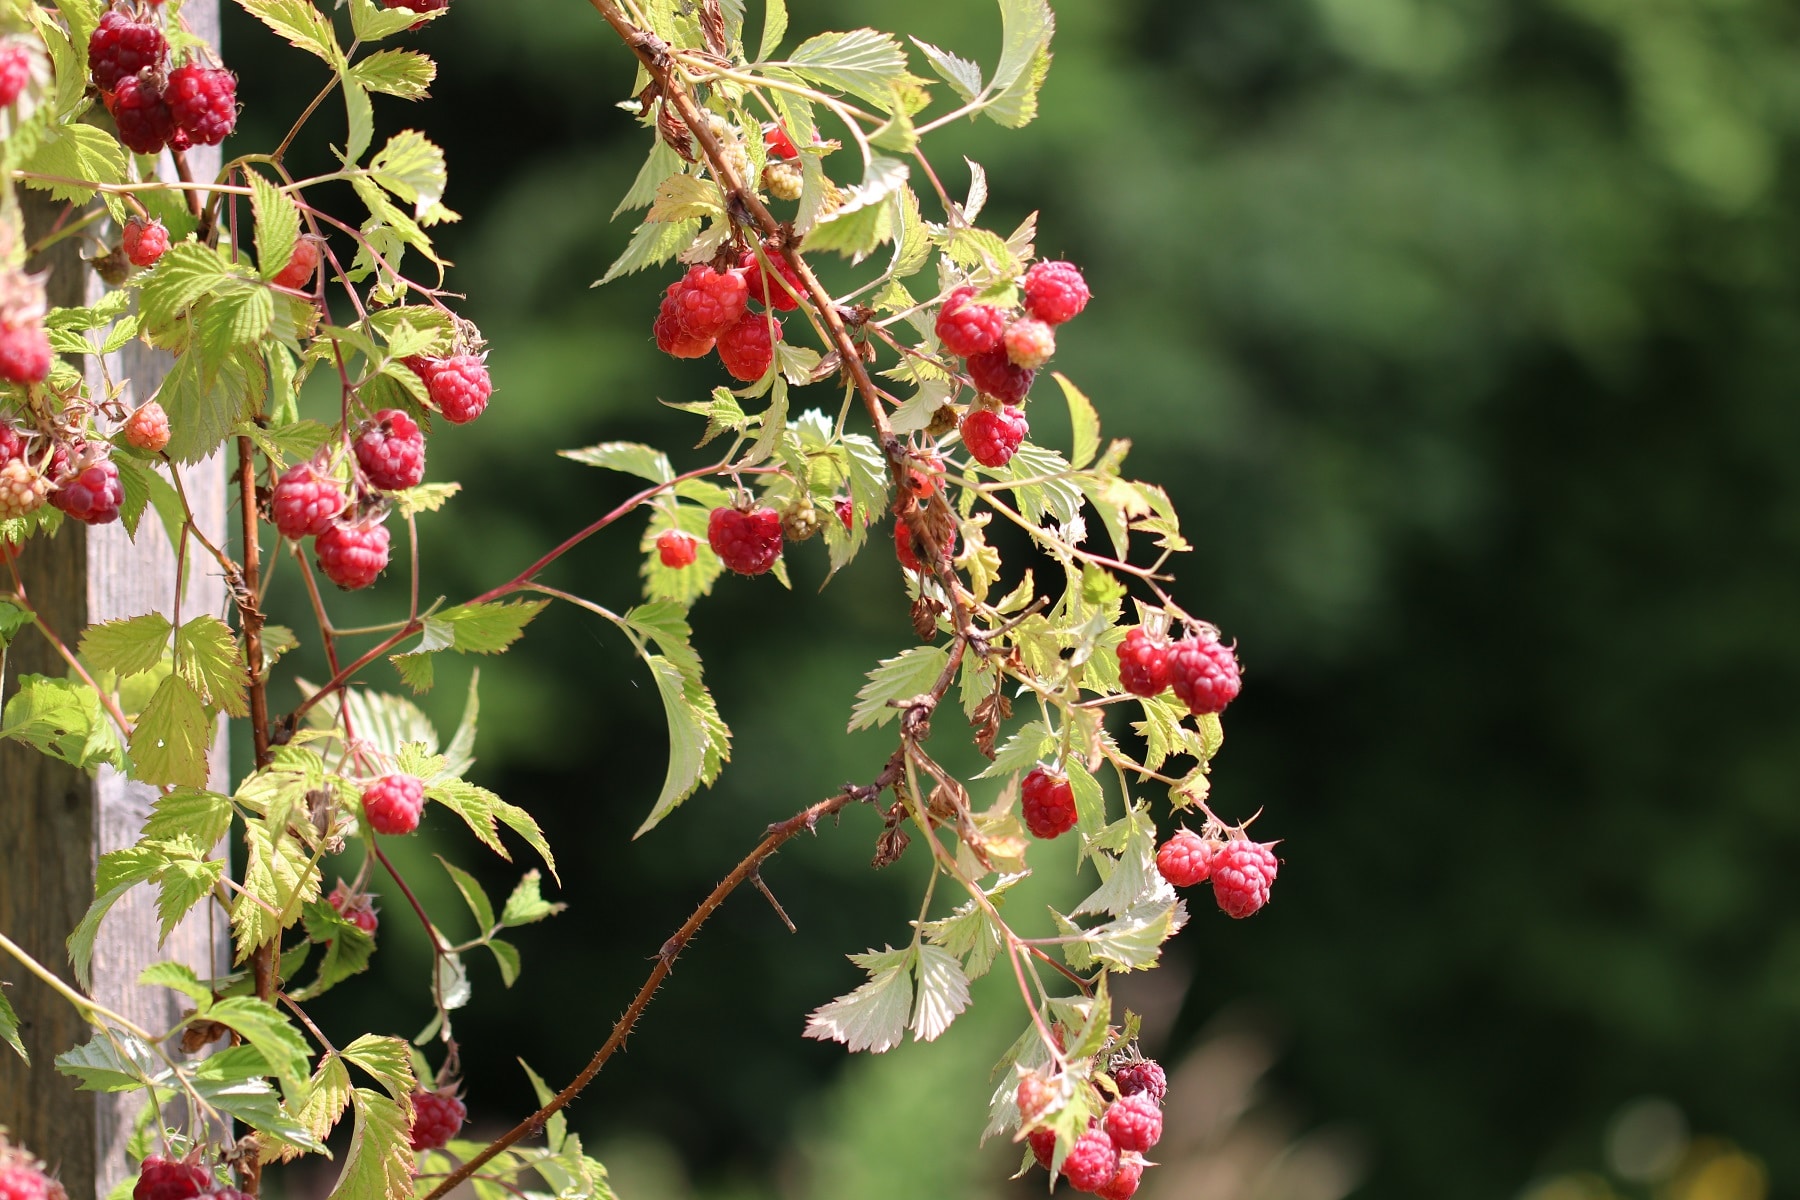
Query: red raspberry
906	547
437	1116
1034	1097
780	145
141	113
229	1194
12	443
22	1181
677	549
748	348
92	495
845	511
354	907
671	338
121	46
353	555
24	352
770	291
391	450
996	375
1204	673
1143	1076
460	387
1134	1123
1185	859
1143	663
418	6
1092	1162
1124	1183
924	483
993	435
15	70
1043	1146
710	302
203	101
144	241
1055	291
393	803
1048	804
301	265
167	1179
305	502
747	542
964	327
1242	873
1030	343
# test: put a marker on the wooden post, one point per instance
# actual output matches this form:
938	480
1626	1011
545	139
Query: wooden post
55	822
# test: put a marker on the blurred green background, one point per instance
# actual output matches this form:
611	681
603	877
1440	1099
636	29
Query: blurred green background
1464	333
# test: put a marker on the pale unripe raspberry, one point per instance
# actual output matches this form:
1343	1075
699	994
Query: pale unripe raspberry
994	435
24	351
1047	803
965	327
302	264
1243	871
391	450
746	542
353	554
203	102
1030	343
1055	291
996	375
22	489
1035	1096
1134	1123
783	181
148	428
437	1117
1185	859
305	502
1092	1162
1204	673
747	349
144	241
677	549
394	803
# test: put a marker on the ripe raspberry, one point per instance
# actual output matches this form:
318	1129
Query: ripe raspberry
1242	873
24	351
1185	859
301	265
1030	343
964	327
780	145
747	542
906	546
92	495
1092	1162
924	481
1043	1146
393	803
12	443
1055	291
845	510
1048	804
1124	1183
122	46
437	1116
418	6
677	549
141	113
1143	663
353	555
354	907
671	338
996	375
710	302
305	502
391	450
144	241
460	387
15	70
1143	1076
767	290
748	348
1135	1123
993	435
203	101
22	489
22	1181
1204	673
167	1179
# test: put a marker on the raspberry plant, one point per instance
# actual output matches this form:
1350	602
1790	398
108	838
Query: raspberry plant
916	378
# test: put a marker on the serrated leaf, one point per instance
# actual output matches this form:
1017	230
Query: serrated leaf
699	740
863	62
115	1063
403	73
388	1061
1084	421
486	628
1132	878
961	74
1025	748
278	875
208	657
506	955
76	151
412	167
277	225
527	905
178	977
427	497
185	273
181	885
271	1031
373	22
9	1027
556	1129
348	948
479	808
775	23
942	994
908	674
633	458
126	646
662	163
1026	29
172	736
300	23
472	894
380	1162
874	1017
115	874
686	197
650	246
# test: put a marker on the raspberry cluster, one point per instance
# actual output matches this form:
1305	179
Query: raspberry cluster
1242	871
708	309
1202	670
437	1117
302	264
75	475
1108	1158
350	540
153	105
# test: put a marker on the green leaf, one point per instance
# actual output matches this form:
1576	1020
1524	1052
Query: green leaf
699	740
961	74
411	167
64	719
278	873
300	23
373	22
680	585
1083	419
13	618
77	152
662	163
271	1031
527	905
9	1027
115	1063
1026	29
943	993
328	1095
208	657
479	808
206	400
359	120
686	197
1025	748
666	624
911	673
126	646
235	317
172	736
862	62
348	948
472	895
182	884
487	628
427	497
556	1129
185	273
186	812
115	874
178	977
651	245
1132	941
388	1061
775	23
403	73
507	956
1132	878
864	220
380	1162
277	225
874	1017
633	458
